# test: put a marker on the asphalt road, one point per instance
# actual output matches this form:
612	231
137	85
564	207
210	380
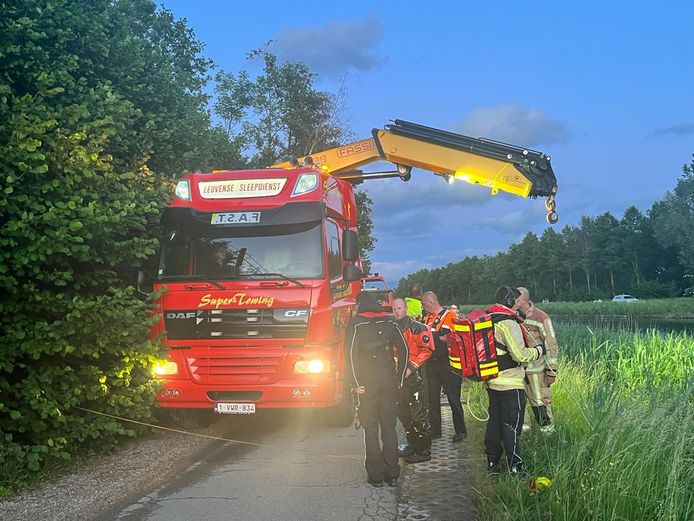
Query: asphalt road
303	470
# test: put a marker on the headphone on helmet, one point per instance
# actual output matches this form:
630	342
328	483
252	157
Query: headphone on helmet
509	299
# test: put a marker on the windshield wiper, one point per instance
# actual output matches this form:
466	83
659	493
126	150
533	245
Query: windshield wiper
202	278
266	274
239	260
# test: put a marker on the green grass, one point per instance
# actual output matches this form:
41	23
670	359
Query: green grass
639	361
682	308
662	308
624	446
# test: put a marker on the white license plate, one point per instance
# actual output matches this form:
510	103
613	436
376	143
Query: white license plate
234	408
235	218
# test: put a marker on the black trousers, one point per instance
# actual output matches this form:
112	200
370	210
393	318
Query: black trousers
414	416
506	409
378	413
439	375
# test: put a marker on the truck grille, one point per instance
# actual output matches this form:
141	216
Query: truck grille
236	323
245	367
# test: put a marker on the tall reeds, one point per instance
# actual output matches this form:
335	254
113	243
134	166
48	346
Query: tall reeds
624	442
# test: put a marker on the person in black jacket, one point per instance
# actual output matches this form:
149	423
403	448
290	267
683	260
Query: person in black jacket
369	342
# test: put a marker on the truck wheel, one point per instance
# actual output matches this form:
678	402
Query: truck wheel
342	414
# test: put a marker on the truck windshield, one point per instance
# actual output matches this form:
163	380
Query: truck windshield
373	285
244	253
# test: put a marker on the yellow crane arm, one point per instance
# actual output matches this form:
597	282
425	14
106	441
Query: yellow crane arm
499	166
339	160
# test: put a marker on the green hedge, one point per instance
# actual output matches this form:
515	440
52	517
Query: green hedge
101	105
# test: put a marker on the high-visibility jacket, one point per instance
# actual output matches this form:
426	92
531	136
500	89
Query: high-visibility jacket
414	307
541	330
441	324
419	338
509	339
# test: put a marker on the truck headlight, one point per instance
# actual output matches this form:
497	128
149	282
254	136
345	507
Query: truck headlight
311	366
305	184
183	190
165	368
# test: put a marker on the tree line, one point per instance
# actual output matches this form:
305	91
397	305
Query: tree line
647	254
103	104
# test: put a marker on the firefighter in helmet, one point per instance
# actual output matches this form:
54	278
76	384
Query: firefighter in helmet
506	391
412	412
540	374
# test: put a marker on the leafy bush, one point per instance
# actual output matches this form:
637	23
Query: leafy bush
100	103
650	289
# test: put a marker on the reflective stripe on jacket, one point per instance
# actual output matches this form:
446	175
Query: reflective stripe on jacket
540	327
441	324
509	334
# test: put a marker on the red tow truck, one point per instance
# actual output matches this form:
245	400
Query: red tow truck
259	268
376	285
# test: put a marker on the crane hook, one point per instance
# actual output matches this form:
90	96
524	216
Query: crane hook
551	205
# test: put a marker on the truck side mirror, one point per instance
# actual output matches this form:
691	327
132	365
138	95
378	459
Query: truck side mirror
144	284
350	245
351	273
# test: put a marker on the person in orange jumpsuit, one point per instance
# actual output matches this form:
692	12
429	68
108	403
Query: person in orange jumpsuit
412	412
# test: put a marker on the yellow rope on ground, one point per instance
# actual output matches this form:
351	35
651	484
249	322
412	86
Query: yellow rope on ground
229	440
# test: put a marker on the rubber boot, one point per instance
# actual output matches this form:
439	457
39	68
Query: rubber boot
541	415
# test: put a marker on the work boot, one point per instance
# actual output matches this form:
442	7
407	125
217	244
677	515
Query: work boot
493	467
541	415
418	458
406	452
517	470
547	429
459	436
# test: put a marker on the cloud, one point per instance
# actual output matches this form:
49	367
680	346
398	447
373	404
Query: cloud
679	129
425	189
335	48
512	223
394	271
522	126
409	212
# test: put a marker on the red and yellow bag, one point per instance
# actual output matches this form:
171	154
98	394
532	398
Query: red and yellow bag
472	348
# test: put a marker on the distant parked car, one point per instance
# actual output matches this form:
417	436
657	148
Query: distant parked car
624	298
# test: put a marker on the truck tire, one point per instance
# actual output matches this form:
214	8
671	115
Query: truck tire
342	414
